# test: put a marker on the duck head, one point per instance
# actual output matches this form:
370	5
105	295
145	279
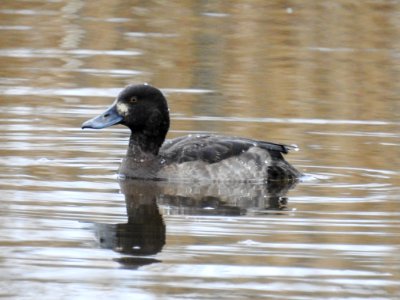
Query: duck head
144	110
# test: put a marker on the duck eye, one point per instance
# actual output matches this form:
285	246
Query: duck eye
133	99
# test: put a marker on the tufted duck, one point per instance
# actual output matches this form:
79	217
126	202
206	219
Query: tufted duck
143	109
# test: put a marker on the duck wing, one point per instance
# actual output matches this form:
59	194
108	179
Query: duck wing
213	149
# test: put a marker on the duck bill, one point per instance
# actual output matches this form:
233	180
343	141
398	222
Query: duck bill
108	118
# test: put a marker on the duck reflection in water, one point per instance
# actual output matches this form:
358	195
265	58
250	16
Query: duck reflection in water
144	233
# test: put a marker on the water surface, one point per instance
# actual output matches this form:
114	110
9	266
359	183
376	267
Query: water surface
320	75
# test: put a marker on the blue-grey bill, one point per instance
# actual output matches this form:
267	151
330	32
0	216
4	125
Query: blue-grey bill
108	118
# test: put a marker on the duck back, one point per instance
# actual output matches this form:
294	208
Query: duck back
211	157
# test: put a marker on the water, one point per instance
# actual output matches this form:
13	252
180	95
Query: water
321	75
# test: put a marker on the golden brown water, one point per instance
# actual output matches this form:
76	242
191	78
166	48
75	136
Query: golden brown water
321	74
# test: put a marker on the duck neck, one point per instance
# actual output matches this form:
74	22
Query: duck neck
143	147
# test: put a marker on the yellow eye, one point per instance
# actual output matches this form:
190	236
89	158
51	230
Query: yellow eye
133	99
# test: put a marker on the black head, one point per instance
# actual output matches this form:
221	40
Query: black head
142	108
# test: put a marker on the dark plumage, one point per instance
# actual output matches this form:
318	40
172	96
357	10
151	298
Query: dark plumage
144	110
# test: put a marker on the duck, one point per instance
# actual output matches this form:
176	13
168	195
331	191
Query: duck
201	157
